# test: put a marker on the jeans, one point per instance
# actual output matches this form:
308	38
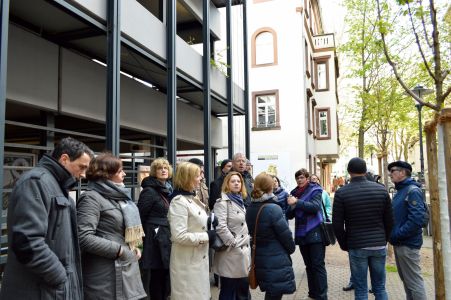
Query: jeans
313	255
409	270
361	260
234	288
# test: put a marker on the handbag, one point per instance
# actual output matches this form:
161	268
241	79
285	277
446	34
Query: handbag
327	229
218	244
253	283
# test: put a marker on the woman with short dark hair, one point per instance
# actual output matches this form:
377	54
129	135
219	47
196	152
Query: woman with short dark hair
110	231
305	206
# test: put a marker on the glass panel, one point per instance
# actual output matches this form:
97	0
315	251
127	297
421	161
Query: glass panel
322	80
266	111
323	126
264	48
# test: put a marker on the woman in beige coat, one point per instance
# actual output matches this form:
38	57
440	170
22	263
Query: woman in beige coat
232	264
188	219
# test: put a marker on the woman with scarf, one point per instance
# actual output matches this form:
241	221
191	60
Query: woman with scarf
324	196
153	205
109	230
232	264
281	193
305	206
273	266
190	235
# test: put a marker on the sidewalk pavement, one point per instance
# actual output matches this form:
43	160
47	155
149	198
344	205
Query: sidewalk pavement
337	266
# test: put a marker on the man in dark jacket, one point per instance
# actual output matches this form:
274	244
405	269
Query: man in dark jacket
238	165
43	250
363	219
410	213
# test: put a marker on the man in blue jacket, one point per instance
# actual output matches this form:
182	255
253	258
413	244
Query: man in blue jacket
410	214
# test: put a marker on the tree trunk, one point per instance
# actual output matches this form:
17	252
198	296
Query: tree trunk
431	144
361	141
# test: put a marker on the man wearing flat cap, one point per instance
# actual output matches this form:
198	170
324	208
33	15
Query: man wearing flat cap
362	220
410	214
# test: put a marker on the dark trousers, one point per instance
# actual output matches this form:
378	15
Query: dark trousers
272	297
313	255
159	284
234	288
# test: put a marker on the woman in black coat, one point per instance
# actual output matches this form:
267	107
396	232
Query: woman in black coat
273	264
153	205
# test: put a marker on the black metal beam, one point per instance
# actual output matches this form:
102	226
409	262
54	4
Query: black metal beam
171	65
76	34
113	101
247	129
4	23
206	91
229	78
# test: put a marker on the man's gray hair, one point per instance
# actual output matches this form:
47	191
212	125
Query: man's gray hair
238	155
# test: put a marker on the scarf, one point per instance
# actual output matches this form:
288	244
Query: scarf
265	197
237	198
305	222
112	191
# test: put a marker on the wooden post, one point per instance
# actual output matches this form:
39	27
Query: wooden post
430	129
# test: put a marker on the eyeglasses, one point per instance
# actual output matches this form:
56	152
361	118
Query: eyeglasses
394	170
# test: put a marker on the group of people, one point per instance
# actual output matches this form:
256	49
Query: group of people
365	219
107	247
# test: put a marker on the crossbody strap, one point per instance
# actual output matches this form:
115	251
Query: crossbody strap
254	242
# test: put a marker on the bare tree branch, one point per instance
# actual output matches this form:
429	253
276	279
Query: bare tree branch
395	69
417	39
426	37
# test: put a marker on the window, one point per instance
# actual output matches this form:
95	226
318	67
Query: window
266	110
310	105
264	48
323	123
322	73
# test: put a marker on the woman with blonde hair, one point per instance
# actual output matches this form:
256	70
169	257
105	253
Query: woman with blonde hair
153	207
110	231
274	240
232	264
188	221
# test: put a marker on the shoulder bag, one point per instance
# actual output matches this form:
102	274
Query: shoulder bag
327	229
218	244
253	283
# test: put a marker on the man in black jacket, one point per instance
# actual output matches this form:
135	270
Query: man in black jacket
238	165
43	251
363	219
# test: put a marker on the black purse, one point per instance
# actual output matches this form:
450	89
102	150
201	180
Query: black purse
218	244
327	229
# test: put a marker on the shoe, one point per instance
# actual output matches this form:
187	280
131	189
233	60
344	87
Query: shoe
370	291
349	287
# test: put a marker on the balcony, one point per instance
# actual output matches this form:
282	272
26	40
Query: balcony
324	41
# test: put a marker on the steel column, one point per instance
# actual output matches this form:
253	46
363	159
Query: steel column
113	101
171	65
229	77
206	90
247	129
4	15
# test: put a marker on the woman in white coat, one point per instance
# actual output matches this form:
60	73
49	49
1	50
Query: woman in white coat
188	220
232	264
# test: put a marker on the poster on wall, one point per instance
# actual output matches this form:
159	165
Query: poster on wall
277	164
14	165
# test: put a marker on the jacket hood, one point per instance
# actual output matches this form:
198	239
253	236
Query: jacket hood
406	182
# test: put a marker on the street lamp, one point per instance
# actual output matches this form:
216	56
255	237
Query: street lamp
420	91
